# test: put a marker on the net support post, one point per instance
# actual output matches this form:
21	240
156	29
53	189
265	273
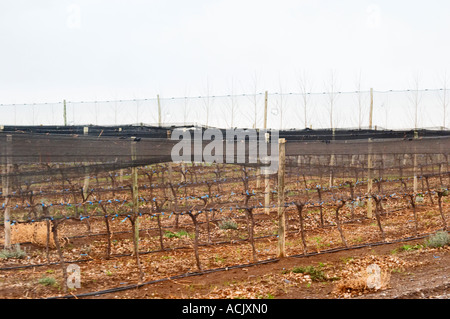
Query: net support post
6	187
65	113
266	176
281	208
369	181
267	184
134	180
415	186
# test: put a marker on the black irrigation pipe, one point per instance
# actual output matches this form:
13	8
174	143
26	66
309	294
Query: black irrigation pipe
350	169
380	243
262	262
185	275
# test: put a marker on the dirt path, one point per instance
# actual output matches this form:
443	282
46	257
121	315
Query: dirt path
421	273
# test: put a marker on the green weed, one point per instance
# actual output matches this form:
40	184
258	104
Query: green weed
315	273
228	224
410	248
48	281
180	234
440	239
15	252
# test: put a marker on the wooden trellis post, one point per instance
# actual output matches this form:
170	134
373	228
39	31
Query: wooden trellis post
266	176
267	186
281	208
6	192
134	176
258	171
65	113
135	215
332	159
416	136
369	181
369	161
86	183
86	177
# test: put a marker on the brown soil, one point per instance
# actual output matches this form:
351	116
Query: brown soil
412	273
417	273
428	277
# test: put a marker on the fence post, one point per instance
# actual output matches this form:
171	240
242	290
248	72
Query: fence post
86	176
266	176
266	183
65	113
258	171
281	208
416	136
332	159
134	177
170	173
369	180
6	192
135	214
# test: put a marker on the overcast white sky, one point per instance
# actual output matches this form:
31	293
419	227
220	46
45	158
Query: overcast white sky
115	49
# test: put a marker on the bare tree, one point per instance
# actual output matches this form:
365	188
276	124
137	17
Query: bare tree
232	105
250	114
331	88
95	110
255	100
281	105
305	85
359	96
137	110
185	107
385	107
416	97
444	98
115	113
207	101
